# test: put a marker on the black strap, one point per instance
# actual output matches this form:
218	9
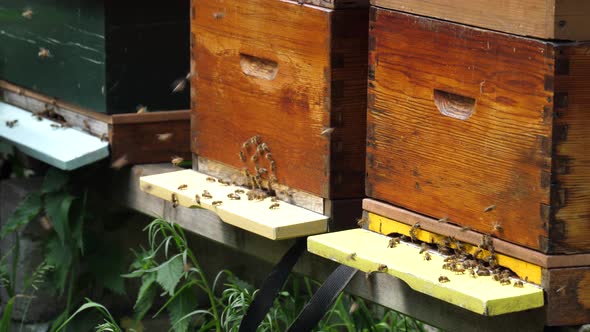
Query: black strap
271	287
322	300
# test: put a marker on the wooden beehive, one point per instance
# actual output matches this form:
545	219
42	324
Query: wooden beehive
483	129
107	56
546	19
295	75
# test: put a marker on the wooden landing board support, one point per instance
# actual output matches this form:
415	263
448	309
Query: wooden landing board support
138	138
64	148
283	222
368	251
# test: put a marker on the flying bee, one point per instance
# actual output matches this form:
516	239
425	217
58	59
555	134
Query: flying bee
206	194
242	156
11	124
423	247
180	84
177	160
211	179
351	256
327	132
443	220
414	230
120	162
497	227
518	284
239	191
382	268
28	14
183	187
427	256
443	279
361	222
233	196
198	199
140	109
490	208
44	53
174	200
274	206
216	203
164	137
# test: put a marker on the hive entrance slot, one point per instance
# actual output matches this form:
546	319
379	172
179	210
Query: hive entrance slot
453	105
259	67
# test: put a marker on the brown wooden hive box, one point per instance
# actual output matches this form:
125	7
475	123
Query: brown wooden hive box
486	129
287	73
546	19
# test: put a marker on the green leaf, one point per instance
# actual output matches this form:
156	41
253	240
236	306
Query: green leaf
54	181
7	316
57	206
93	305
107	264
169	274
146	296
26	211
60	256
183	304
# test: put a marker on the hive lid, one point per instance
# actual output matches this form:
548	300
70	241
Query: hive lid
481	294
64	148
287	221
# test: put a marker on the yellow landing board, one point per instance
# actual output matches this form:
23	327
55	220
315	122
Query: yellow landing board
286	221
366	251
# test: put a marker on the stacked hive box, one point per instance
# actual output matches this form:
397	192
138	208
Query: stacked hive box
487	130
294	76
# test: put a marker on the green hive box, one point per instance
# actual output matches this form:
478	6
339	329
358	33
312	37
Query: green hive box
107	56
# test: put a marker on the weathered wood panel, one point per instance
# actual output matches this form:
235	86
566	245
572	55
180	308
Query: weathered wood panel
451	137
548	19
337	3
286	72
568	296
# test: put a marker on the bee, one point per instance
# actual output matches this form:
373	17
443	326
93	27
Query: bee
505	281
218	15
187	267
351	256
164	137
11	124
361	222
177	160
44	53
120	162
444	249
423	247
486	241
174	200
233	196
489	208
443	279
414	230
258	181
274	206
274	199
265	147
327	132
382	268
443	220
268	156
211	179
427	256
255	140
518	284
354	307
447	266
140	109
458	269
242	156
216	203
273	166
28	14
206	194
262	170
465	228
477	252
260	150
104	137
393	242
182	187
497	227
198	199
180	84
483	272
223	182
239	191
254	157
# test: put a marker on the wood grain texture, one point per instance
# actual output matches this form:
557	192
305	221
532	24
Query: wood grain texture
501	155
136	137
547	19
568	296
319	56
338	3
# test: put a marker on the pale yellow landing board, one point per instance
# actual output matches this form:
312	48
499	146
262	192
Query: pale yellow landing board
287	221
366	251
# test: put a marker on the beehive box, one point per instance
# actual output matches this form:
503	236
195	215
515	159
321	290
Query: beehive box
546	19
106	56
483	129
292	75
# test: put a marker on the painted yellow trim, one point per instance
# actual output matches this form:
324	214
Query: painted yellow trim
288	221
367	250
387	226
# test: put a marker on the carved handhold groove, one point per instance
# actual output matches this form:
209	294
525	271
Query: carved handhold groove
258	67
454	106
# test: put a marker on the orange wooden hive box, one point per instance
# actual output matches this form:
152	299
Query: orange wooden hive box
294	75
483	129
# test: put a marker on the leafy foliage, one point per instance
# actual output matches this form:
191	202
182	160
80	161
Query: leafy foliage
24	213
